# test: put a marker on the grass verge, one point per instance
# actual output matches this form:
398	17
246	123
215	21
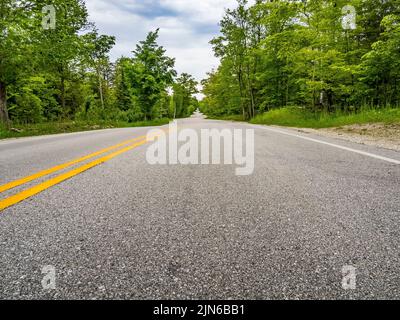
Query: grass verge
298	117
39	129
233	117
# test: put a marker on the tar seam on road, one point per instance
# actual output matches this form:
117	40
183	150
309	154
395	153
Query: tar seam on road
332	145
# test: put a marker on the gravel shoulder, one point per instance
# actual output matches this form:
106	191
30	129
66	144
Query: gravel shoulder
376	134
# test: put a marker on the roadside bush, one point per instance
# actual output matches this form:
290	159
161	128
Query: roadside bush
27	108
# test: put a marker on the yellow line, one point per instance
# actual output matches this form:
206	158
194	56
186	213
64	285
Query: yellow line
46	172
62	177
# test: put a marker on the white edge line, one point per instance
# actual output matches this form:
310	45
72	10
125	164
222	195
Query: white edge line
332	145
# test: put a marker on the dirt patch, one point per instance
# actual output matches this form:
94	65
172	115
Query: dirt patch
374	134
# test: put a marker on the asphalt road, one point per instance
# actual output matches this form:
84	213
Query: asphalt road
126	229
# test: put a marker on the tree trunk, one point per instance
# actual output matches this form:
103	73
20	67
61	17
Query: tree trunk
62	89
63	95
252	104
100	89
3	104
241	91
251	93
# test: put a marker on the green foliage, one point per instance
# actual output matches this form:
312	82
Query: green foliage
27	107
222	94
299	117
288	53
150	73
65	74
184	104
36	129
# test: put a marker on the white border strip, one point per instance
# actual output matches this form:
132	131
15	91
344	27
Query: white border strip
332	145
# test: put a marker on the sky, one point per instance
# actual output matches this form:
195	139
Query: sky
186	27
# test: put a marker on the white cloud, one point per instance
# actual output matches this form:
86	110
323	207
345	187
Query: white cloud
186	27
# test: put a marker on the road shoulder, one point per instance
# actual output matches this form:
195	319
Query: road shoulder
380	135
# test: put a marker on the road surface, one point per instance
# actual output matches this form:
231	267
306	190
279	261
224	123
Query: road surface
125	229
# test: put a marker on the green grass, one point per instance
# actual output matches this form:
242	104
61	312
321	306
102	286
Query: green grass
298	117
70	126
233	117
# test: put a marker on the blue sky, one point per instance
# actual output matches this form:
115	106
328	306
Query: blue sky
186	27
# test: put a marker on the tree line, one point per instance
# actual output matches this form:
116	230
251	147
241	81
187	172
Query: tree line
306	53
61	70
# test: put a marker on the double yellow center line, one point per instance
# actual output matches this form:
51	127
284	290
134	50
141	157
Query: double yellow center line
7	202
